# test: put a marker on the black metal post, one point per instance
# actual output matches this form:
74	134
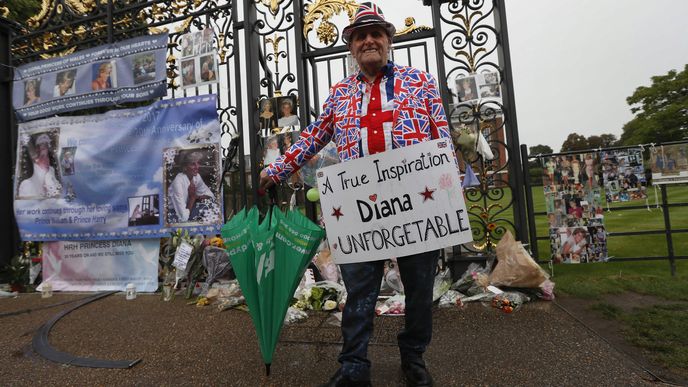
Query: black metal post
110	22
252	83
238	87
439	54
511	125
667	230
9	244
532	227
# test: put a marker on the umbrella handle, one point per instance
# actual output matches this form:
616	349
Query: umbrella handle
272	192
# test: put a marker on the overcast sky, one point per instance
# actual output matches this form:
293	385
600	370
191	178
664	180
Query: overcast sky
576	61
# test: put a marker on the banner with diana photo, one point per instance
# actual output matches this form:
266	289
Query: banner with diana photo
392	204
134	173
126	71
89	266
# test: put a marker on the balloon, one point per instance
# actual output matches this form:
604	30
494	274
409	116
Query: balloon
313	195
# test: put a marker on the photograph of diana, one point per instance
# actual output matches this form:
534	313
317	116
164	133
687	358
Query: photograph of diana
192	184
287	117
32	91
38	170
466	89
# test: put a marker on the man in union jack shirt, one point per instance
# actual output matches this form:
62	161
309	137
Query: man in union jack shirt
385	106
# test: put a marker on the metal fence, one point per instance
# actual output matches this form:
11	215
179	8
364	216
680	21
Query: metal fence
292	47
663	202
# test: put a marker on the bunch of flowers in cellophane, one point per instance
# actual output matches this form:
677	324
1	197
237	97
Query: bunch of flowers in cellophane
394	306
320	296
442	284
391	279
509	302
194	268
325	264
474	280
225	295
451	298
517	269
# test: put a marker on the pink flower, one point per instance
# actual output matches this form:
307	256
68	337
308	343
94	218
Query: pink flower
446	181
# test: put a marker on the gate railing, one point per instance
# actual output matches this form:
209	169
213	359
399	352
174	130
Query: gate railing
661	202
292	47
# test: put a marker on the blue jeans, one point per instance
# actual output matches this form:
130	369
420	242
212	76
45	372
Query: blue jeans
362	281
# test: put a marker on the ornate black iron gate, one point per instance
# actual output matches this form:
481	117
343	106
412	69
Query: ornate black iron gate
268	48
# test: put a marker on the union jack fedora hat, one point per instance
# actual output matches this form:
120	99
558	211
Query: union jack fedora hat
368	14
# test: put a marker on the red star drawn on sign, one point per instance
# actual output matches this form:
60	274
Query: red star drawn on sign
337	212
427	194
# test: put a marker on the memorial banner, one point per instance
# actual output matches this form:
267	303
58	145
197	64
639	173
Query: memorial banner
90	266
126	71
669	164
392	204
135	173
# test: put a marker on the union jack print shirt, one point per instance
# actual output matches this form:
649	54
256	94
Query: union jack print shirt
401	107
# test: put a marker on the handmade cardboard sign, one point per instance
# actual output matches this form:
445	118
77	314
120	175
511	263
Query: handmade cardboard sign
393	204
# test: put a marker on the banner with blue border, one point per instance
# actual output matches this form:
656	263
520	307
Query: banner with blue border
126	71
125	174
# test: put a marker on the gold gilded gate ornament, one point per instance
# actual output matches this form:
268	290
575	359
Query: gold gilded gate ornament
79	7
327	31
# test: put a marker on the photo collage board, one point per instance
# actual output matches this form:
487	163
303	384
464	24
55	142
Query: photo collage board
624	175
669	164
198	58
573	201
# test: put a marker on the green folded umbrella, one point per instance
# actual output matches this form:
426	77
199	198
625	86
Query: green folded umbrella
280	248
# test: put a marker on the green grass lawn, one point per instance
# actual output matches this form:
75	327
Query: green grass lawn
660	330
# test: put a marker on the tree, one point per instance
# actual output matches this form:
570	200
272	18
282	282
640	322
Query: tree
535	165
574	142
540	149
601	141
661	110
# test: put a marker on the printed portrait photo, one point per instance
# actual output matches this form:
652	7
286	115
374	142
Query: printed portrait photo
143	68
490	91
144	210
32	91
192	185
287	117
467	89
268	115
208	68
67	163
187	45
206	41
64	83
38	172
491	78
188	72
103	76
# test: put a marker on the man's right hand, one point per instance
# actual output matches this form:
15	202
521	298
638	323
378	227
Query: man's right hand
266	181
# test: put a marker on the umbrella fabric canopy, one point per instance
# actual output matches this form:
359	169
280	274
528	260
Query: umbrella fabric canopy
280	248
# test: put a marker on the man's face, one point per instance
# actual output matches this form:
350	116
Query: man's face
370	46
192	168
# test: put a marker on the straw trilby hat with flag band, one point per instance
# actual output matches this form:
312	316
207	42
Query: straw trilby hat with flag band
368	14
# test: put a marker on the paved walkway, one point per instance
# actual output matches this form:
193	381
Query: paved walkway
184	345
